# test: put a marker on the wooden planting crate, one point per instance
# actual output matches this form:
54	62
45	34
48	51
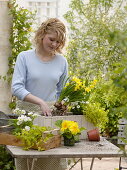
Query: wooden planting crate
53	142
50	121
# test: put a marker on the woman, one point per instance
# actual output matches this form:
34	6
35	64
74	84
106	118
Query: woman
39	76
39	73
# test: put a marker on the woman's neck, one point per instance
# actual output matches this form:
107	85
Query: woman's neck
43	55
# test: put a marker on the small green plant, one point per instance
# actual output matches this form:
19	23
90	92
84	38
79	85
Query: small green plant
95	114
69	128
34	137
24	121
77	108
30	134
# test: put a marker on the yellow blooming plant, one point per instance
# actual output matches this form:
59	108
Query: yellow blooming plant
68	128
76	90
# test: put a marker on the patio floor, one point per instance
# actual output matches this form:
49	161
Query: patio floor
103	164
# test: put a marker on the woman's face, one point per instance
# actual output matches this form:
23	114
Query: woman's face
50	42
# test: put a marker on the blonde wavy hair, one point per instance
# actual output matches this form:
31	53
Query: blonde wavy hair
51	25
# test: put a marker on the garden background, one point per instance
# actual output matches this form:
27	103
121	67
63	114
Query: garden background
96	49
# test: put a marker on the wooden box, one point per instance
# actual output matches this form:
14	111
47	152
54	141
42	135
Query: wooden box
50	121
8	139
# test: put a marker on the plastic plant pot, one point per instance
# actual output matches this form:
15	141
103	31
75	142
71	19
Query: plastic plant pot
93	135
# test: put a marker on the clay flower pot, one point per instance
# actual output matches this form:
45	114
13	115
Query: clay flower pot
93	135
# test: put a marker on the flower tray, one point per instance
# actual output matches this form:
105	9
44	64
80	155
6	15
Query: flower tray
8	139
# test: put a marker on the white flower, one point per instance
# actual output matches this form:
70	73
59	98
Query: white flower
87	102
66	99
15	111
27	128
35	114
23	112
24	118
30	113
19	123
78	106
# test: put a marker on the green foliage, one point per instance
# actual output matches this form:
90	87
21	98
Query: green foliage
34	137
22	21
108	94
73	91
6	161
112	98
98	32
96	114
114	114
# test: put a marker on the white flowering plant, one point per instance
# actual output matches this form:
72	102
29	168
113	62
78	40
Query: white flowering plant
24	120
31	135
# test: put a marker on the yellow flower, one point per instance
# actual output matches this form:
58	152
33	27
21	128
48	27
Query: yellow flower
65	125
87	89
94	82
67	84
91	86
75	79
74	128
77	87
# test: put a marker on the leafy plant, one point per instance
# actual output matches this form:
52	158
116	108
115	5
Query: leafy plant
20	33
31	135
112	98
22	21
68	128
24	121
77	108
6	161
75	90
95	114
34	137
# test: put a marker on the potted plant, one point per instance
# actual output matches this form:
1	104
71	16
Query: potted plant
28	135
75	91
97	115
69	129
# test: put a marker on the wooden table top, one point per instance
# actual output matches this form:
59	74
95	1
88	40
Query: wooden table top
83	149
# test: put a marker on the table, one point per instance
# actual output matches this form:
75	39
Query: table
83	149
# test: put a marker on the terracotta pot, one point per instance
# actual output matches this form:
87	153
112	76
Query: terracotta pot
93	135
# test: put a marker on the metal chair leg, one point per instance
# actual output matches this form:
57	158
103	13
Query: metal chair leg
91	166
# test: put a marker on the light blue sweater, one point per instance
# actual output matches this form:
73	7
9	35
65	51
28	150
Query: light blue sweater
42	79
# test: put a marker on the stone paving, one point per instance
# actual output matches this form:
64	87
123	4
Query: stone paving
103	164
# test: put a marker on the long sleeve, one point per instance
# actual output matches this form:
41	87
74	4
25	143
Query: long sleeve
19	78
62	80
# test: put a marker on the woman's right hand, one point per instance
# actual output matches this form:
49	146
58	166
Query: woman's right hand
43	105
46	111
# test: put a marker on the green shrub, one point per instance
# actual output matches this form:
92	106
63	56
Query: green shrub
96	114
6	161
